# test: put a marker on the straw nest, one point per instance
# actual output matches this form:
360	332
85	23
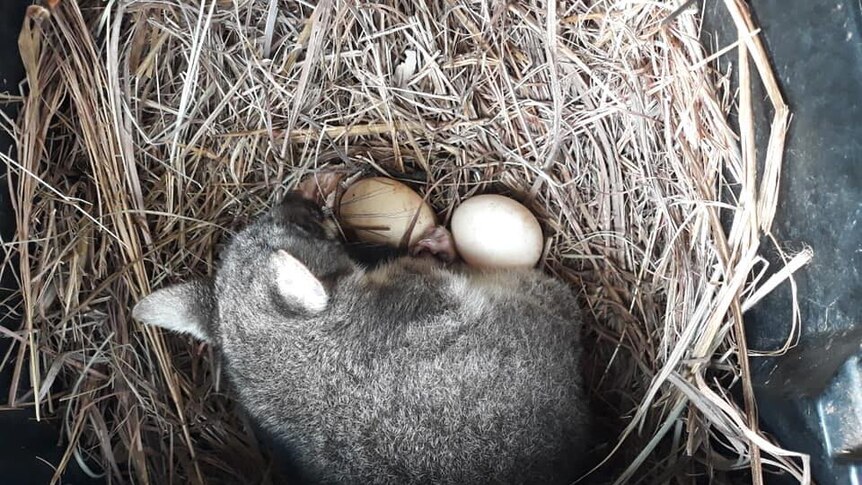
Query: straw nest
148	129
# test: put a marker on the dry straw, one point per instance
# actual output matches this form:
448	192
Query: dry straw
150	128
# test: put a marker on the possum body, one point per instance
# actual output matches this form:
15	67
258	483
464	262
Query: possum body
413	372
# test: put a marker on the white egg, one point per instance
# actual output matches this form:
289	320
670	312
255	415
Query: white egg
380	210
494	231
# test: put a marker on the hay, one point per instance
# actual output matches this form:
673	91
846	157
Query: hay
149	129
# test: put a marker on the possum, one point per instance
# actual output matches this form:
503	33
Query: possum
413	372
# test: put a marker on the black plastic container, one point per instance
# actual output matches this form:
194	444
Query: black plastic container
816	48
811	399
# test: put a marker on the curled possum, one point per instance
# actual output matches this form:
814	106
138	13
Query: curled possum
412	372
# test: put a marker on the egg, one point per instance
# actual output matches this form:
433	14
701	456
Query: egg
380	210
493	231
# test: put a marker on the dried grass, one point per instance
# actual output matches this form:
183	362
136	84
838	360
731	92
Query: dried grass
152	127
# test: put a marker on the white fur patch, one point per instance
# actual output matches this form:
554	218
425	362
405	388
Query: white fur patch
296	283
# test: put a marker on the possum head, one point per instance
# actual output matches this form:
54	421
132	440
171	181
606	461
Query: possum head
283	262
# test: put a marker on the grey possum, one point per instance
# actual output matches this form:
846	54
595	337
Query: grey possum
411	372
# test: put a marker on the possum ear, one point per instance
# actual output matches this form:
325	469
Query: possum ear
181	308
296	284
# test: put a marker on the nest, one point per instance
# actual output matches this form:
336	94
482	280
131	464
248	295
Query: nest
148	130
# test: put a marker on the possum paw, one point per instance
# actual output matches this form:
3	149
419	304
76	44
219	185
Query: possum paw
437	243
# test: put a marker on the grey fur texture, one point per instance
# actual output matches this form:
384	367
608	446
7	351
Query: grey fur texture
409	373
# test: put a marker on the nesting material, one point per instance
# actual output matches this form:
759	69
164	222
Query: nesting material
149	130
